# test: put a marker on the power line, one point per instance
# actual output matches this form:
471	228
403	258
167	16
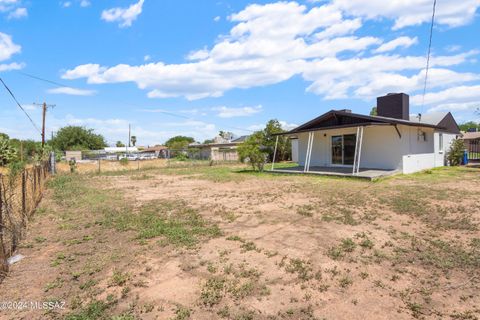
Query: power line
43	79
428	54
20	106
192	119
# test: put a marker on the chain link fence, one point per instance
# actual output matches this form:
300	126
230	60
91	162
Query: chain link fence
20	192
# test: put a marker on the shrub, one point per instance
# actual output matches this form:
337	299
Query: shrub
455	154
252	151
124	161
7	152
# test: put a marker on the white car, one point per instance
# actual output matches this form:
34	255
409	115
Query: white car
129	157
147	156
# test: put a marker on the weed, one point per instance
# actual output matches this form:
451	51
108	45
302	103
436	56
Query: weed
345	282
95	310
213	291
305	210
302	268
119	278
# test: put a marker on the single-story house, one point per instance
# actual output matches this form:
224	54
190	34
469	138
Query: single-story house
344	143
158	151
220	149
472	143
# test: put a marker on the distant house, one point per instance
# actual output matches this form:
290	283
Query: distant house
158	151
220	150
346	143
472	143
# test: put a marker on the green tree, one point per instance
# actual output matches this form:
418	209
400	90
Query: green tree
373	112
120	144
284	147
227	135
469	125
456	152
77	138
253	151
133	139
8	154
179	142
207	141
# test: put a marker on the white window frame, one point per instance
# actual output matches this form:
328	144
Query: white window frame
440	142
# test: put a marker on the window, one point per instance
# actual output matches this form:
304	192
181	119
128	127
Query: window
440	141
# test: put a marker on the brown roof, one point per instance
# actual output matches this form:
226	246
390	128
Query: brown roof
471	135
335	119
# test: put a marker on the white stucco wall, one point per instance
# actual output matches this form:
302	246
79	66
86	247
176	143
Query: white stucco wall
441	154
418	162
294	150
383	148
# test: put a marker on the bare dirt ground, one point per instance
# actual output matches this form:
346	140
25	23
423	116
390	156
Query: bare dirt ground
225	243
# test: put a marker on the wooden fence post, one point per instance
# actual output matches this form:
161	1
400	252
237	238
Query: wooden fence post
24	197
3	255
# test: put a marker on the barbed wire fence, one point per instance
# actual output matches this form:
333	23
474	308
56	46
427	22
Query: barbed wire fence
20	193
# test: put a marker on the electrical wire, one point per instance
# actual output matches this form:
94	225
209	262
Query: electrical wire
19	105
192	119
428	53
43	79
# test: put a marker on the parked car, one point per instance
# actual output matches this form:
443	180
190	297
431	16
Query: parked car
129	157
147	156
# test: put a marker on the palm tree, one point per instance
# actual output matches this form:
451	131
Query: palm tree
134	140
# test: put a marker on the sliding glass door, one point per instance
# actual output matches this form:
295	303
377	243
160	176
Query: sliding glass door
343	149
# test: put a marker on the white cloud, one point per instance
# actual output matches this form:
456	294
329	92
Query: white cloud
18	13
72	91
459	106
216	19
7	5
288	126
11	66
405	42
84	3
226	112
7	47
452	13
147	57
124	16
66	4
271	43
459	94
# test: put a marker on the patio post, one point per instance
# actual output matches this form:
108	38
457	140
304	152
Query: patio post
360	149
356	151
275	152
307	154
310	151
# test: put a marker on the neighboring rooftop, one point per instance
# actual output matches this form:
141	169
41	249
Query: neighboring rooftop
471	135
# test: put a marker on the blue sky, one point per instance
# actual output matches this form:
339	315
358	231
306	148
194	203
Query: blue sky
196	67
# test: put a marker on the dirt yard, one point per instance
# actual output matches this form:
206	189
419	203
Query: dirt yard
226	243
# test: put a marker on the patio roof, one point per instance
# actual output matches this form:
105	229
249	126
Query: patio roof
336	119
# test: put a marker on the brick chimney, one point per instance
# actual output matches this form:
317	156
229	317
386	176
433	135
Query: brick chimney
394	105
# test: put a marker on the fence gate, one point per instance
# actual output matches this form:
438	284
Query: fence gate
474	150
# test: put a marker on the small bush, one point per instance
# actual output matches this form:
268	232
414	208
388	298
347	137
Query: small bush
124	161
455	154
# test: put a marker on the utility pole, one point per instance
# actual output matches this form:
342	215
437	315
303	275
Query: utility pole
45	106
129	135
